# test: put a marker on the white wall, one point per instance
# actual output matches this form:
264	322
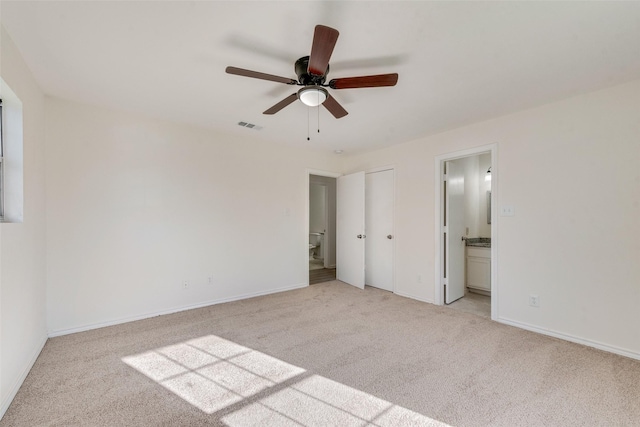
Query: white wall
571	171
136	206
22	245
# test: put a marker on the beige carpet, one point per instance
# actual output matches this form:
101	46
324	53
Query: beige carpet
328	354
477	304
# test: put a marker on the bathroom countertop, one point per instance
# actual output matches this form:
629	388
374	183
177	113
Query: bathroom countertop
479	242
480	245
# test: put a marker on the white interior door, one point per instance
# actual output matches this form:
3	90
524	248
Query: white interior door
454	221
350	236
379	229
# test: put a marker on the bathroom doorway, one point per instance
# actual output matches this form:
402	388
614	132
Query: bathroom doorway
466	252
322	229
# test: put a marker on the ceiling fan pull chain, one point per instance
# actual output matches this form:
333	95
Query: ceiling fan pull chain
308	124
318	107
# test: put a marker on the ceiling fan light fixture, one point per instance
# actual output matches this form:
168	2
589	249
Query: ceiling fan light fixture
312	96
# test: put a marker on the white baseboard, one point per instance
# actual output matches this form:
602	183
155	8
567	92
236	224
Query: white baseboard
6	401
402	294
60	332
572	338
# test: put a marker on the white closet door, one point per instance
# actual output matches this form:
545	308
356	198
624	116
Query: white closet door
350	235
379	196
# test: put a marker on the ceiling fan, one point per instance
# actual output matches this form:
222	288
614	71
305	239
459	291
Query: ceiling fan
312	73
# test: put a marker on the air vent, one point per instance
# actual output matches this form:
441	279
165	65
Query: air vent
249	125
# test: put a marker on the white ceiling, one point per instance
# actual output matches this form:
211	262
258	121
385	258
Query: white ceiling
459	62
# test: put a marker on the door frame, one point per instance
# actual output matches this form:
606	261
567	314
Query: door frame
439	212
305	245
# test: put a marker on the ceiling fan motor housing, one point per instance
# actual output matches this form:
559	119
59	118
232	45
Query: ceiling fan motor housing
301	68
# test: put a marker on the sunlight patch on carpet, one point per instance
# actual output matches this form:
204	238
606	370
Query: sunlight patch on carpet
212	374
318	401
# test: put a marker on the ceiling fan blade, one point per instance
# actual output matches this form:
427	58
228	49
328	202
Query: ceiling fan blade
280	105
324	40
334	108
378	80
262	76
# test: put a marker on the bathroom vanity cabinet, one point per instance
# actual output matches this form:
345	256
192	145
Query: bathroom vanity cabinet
479	269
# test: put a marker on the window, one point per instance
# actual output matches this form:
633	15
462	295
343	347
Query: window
1	162
11	156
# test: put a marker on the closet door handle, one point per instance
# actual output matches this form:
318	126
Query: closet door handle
361	236
389	236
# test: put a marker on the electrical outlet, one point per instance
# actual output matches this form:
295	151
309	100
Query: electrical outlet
185	284
534	301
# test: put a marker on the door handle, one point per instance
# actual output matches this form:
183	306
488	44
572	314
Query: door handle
361	236
389	236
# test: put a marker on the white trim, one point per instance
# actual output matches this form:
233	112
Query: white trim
402	294
494	231
381	169
438	179
568	337
121	320
6	402
323	173
439	161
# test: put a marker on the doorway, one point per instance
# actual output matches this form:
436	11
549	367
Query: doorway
466	226
322	229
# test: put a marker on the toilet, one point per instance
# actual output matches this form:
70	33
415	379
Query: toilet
315	245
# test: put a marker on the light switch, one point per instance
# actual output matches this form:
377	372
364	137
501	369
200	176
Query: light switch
507	210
